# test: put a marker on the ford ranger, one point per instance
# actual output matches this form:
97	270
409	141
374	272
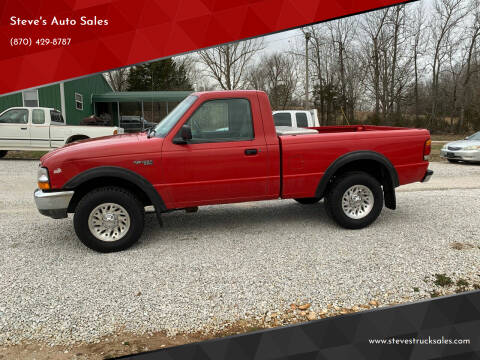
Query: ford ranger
222	147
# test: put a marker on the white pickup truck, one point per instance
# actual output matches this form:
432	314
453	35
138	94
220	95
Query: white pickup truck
296	118
43	129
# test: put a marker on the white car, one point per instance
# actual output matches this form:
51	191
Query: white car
467	150
296	118
43	129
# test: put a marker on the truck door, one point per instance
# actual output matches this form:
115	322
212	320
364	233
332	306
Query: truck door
39	130
226	160
14	128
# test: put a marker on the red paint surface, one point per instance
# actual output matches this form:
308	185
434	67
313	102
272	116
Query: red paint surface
214	173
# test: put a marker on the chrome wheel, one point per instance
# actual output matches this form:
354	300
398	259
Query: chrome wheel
357	202
109	222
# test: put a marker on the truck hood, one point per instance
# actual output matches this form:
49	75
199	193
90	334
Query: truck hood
99	147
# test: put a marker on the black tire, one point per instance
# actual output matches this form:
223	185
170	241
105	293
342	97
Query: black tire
307	201
453	161
333	199
117	196
3	153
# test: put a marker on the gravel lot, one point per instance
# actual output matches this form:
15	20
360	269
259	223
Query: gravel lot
225	262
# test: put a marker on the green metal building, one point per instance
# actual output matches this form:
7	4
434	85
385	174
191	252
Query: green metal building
73	97
92	95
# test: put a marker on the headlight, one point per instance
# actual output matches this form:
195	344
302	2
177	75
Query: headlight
472	147
43	180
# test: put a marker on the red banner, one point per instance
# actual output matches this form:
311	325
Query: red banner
44	41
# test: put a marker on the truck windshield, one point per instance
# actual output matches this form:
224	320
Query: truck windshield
169	121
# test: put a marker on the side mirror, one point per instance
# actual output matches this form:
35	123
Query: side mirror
185	135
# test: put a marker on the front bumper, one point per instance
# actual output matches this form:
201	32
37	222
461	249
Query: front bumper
464	155
53	204
428	176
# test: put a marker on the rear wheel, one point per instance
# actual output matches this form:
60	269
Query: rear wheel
354	200
109	219
307	201
3	153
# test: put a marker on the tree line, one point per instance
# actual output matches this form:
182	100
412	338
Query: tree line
410	65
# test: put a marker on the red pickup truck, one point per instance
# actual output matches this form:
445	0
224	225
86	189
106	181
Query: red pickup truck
222	147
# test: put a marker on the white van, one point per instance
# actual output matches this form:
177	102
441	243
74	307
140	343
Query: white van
296	118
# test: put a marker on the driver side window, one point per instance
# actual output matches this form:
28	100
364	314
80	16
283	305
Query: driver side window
222	120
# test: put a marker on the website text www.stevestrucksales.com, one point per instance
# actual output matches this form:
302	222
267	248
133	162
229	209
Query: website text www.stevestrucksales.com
419	341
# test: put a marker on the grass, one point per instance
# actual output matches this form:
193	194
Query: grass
443	280
435	155
25	155
448	137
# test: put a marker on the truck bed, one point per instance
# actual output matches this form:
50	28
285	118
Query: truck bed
306	157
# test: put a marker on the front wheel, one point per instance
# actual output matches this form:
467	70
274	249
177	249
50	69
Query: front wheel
109	219
354	200
3	153
453	161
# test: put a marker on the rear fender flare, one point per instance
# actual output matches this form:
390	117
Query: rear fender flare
389	185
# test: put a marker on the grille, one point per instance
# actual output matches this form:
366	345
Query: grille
454	148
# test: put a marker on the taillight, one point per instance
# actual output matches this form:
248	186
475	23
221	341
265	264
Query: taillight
427	149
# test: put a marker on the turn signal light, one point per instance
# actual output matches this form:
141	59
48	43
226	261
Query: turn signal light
43	185
43	181
115	132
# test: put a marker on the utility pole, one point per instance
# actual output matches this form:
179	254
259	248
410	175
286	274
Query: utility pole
307	39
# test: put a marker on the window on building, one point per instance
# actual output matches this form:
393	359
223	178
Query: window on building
30	98
38	117
78	101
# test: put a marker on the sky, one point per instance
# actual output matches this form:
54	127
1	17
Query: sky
284	40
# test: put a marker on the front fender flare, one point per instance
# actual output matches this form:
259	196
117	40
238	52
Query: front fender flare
121	173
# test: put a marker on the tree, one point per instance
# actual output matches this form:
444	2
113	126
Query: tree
373	26
418	48
447	15
227	64
276	75
160	75
118	79
473	32
342	33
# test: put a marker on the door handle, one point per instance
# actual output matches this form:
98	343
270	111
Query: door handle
251	152
23	128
